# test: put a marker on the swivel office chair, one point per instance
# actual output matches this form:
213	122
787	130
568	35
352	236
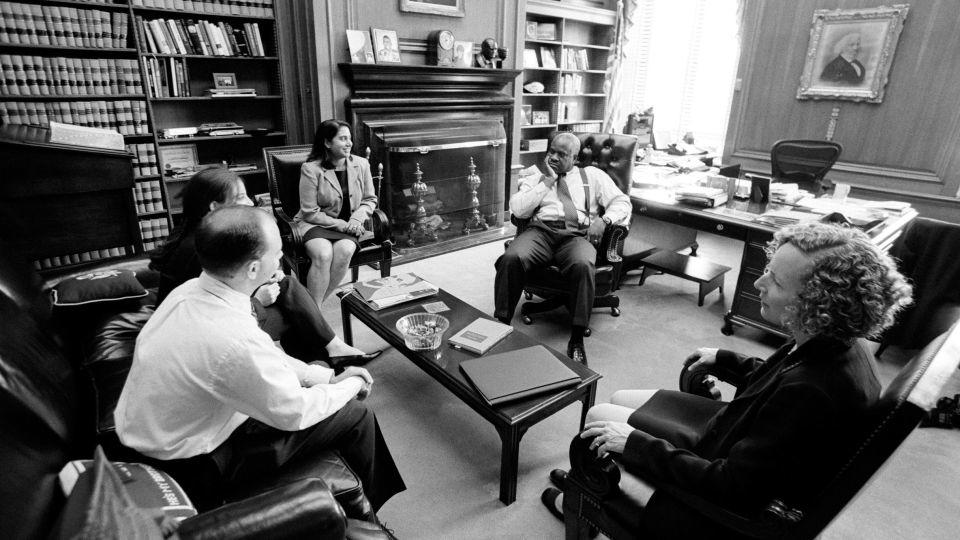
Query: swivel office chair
283	174
612	154
804	162
593	500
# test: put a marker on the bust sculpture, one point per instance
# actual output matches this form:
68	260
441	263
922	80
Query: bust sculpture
488	56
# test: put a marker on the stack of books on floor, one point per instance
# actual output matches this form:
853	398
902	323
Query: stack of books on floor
231	92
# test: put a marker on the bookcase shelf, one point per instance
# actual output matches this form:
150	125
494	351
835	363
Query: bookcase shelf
96	22
573	96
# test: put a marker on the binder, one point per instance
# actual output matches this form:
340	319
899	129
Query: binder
512	375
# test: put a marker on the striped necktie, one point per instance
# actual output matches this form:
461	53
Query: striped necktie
570	216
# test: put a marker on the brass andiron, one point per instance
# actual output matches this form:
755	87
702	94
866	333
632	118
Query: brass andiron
475	221
420	227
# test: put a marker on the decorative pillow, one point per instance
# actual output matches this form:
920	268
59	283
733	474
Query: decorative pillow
100	286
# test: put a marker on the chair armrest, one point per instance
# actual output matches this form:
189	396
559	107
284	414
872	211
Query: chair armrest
289	233
300	510
380	225
695	381
610	250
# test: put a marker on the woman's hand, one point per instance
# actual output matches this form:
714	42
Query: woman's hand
607	436
704	356
354	227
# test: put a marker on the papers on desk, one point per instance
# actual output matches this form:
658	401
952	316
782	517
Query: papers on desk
782	218
858	214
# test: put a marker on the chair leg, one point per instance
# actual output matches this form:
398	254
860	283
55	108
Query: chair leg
354	274
385	267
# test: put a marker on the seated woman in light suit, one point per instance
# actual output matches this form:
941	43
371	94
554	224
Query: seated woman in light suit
795	417
336	198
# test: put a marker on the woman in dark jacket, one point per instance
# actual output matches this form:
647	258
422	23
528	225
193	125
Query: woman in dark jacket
795	416
284	308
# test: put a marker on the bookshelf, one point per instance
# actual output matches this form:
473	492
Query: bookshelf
565	48
92	63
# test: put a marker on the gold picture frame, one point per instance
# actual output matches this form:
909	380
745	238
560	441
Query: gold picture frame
850	53
447	8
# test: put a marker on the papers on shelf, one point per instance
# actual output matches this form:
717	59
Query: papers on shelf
85	136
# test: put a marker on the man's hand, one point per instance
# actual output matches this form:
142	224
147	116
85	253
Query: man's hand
607	436
355	371
595	232
267	293
704	356
547	175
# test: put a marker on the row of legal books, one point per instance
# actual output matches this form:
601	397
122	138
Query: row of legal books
144	159
35	24
128	117
25	75
251	8
184	36
574	59
167	77
77	258
571	83
583	127
147	196
153	231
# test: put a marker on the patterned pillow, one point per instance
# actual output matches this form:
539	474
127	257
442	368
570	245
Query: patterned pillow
101	286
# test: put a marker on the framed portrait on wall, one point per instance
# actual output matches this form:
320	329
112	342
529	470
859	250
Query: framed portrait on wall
850	53
449	8
386	46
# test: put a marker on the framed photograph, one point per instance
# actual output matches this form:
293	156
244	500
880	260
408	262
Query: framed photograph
386	46
850	53
540	117
547	31
358	42
448	8
527	118
225	80
531	29
463	53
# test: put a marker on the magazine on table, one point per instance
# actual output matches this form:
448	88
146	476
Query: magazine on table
389	291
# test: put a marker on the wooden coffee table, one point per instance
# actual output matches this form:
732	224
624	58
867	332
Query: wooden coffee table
511	420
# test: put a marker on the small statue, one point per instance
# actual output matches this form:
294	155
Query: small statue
501	56
488	54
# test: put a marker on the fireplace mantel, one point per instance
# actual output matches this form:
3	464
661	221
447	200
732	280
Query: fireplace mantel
427	83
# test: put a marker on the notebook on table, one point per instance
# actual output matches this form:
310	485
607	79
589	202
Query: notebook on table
512	375
480	335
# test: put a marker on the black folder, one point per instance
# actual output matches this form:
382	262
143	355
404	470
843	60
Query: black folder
512	375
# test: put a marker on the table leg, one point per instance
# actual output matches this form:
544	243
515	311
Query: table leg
347	328
509	456
588	400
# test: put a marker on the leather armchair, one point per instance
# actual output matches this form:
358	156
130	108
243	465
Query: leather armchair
283	174
52	415
612	154
593	500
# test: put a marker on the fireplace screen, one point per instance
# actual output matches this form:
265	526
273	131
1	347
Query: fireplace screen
442	180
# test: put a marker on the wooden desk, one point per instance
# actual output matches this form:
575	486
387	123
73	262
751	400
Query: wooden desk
735	224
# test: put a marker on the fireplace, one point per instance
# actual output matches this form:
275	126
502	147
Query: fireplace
443	137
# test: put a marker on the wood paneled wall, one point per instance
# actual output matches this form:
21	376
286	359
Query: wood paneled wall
907	147
313	42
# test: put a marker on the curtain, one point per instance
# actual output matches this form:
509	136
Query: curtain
612	85
679	57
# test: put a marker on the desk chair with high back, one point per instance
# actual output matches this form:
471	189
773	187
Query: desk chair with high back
593	500
803	162
283	174
612	154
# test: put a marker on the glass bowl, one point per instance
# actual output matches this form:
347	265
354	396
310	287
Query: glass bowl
422	331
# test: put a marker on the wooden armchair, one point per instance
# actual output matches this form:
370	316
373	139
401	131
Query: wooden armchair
612	154
283	174
593	500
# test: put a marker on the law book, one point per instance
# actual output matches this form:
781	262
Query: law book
174	33
6	23
42	30
392	290
95	19
513	375
480	335
222	27
258	39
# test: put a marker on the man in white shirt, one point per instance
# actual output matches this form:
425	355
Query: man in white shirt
208	385
562	202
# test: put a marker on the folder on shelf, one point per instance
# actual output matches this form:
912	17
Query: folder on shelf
505	377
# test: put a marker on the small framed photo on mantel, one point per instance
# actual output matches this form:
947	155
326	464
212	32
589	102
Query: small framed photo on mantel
358	42
386	46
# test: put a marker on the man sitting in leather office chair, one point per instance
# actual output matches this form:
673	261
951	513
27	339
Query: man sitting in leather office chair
564	230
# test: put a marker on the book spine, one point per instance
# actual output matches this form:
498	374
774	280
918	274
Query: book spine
40	23
6	22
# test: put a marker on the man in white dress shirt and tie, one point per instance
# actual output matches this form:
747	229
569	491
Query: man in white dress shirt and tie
223	408
562	203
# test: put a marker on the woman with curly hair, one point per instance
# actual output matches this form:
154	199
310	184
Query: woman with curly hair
796	415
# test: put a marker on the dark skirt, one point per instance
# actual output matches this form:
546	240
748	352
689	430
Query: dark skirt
329	234
677	417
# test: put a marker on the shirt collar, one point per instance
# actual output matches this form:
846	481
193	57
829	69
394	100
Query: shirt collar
221	290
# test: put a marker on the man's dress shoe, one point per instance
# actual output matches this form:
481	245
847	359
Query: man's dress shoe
353	359
549	499
577	353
